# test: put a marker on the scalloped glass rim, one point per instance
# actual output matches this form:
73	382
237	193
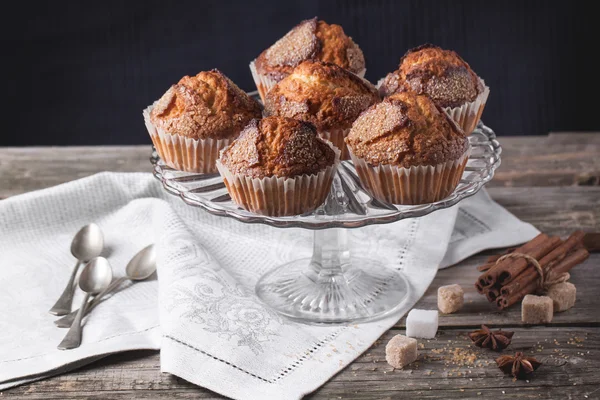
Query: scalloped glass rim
348	204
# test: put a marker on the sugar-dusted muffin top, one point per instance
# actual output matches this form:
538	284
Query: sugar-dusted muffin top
323	94
310	40
406	129
441	74
208	105
277	146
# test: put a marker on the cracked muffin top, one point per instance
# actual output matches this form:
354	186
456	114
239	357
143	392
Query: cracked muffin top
277	146
321	93
311	39
208	105
405	130
441	74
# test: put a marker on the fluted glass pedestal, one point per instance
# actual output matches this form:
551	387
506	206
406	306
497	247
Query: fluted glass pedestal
332	286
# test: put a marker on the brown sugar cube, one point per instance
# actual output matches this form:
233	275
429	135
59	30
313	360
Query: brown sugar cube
537	309
563	296
400	351
450	298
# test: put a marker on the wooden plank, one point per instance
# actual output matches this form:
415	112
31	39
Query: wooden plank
552	209
571	367
26	169
555	210
548	161
527	161
564	137
478	310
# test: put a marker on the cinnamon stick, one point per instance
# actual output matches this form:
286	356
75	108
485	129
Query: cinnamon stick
515	268
492	294
492	259
485	267
505	271
549	261
479	287
489	278
575	257
506	301
591	242
495	257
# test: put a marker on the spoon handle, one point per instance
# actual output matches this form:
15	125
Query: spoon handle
67	320
63	304
73	337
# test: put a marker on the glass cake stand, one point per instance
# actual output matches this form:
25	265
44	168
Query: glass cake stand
334	286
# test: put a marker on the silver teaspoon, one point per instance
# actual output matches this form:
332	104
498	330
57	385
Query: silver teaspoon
94	278
86	244
140	267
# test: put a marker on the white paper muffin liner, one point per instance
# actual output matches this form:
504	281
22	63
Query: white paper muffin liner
183	153
336	137
468	115
409	186
279	196
264	83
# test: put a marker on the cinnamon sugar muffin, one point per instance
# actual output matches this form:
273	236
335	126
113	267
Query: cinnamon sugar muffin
406	150
327	96
445	77
198	117
278	167
311	39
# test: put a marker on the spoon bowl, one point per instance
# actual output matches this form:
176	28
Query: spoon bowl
142	265
96	276
87	243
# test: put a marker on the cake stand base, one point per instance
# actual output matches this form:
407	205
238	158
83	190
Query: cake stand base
332	286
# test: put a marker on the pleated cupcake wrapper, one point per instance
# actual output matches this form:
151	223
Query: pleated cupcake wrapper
409	186
264	83
279	196
336	137
183	153
468	115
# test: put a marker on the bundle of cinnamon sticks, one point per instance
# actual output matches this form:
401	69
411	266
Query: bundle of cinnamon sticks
506	282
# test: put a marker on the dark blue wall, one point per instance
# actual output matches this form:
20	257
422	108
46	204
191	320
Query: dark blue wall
81	72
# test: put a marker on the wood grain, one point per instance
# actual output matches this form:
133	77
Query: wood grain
569	356
555	160
551	182
33	168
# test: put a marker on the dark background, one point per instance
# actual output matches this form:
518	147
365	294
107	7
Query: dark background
80	73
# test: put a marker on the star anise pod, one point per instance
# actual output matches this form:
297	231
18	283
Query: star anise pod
518	365
495	340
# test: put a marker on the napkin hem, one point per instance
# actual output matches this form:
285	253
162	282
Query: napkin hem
134	341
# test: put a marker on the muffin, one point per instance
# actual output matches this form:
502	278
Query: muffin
407	150
310	40
278	167
198	117
327	96
445	77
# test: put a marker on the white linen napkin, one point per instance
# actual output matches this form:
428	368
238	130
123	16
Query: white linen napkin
202	312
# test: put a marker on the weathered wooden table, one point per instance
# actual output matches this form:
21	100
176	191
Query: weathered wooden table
552	182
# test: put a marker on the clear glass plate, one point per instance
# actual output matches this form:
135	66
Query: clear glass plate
334	286
348	204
